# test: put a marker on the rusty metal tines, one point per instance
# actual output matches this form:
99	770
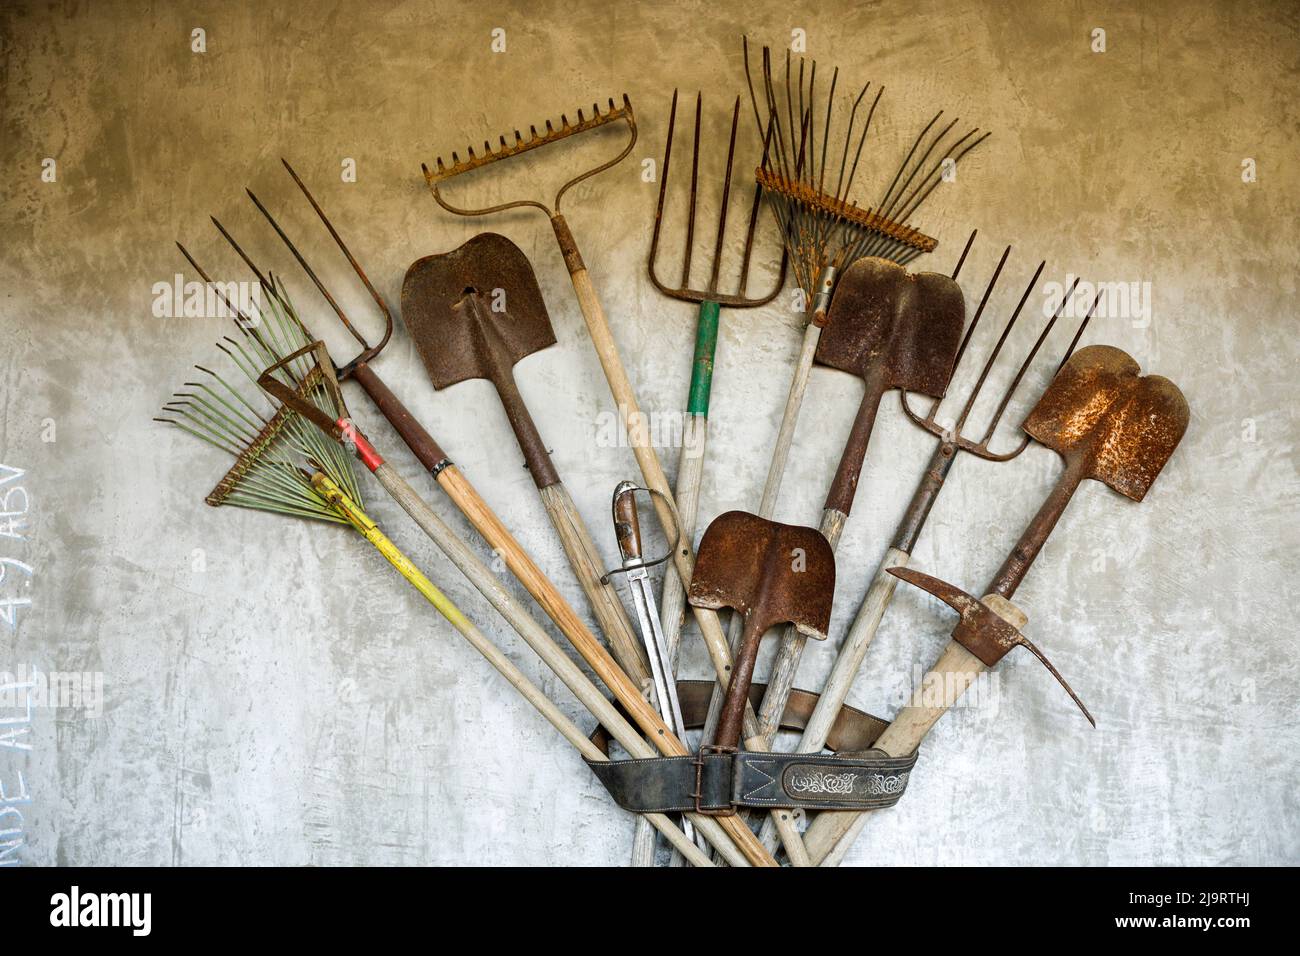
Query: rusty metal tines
952	434
951	441
740	299
442	171
821	227
368	351
847	213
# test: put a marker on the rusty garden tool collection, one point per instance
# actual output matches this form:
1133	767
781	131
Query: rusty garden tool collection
477	311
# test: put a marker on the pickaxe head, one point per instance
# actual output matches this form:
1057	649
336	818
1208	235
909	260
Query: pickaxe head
773	573
1102	412
982	630
903	327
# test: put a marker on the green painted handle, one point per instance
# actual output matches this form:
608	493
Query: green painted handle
706	342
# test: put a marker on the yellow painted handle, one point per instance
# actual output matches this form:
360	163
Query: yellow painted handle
351	511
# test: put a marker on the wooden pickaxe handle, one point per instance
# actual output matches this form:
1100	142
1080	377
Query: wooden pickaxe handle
832	834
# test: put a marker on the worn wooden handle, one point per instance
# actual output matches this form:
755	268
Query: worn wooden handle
690	477
552	602
627	526
832	834
551	654
602	339
789	419
652	474
585	562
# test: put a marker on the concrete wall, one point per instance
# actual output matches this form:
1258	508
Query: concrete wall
273	693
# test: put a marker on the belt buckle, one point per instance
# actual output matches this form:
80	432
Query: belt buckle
697	794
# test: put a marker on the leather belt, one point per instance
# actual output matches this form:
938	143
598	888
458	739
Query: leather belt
856	778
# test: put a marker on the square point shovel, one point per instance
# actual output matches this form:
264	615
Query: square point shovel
475	312
895	329
770	573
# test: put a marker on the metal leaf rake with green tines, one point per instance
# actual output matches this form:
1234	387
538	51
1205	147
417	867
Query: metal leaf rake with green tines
284	463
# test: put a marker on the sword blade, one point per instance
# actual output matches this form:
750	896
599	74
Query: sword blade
661	666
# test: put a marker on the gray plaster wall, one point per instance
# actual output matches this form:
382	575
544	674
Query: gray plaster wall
274	694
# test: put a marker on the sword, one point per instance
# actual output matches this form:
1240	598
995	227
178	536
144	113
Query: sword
627	529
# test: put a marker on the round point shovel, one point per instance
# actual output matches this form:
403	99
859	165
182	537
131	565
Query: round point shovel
769	573
475	312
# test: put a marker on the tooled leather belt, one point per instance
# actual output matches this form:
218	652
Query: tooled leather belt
854	778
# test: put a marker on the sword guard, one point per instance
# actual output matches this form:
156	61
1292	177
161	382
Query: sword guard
988	628
627	530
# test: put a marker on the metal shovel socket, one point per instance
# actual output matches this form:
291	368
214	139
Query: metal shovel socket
475	312
895	329
770	573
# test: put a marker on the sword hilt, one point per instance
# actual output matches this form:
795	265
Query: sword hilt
988	628
627	525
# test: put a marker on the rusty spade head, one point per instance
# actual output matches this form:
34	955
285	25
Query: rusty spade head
896	329
1103	416
982	630
475	311
771	573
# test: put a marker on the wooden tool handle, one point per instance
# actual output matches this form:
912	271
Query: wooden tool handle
789	419
690	476
585	561
647	460
832	834
421	443
503	665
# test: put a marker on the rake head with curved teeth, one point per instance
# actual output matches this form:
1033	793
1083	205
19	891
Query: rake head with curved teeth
442	171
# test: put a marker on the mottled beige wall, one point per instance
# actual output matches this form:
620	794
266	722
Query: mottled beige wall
292	702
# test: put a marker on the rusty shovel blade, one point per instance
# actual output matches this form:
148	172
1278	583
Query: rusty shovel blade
474	310
1103	416
901	328
473	313
896	329
772	574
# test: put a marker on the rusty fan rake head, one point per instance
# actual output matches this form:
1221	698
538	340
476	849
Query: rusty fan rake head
443	171
823	229
740	299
